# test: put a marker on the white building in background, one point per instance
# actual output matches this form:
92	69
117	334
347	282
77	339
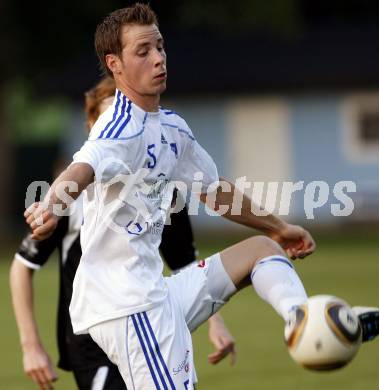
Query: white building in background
294	138
289	138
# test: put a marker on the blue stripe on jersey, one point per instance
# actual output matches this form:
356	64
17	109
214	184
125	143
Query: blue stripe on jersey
169	112
145	352
131	136
127	138
169	125
158	351
114	114
122	113
152	351
190	136
126	121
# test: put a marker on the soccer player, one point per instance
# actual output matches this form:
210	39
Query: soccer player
135	149
81	354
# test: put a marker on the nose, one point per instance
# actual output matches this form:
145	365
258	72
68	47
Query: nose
159	58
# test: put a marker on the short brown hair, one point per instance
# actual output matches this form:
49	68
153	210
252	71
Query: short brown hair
95	96
107	36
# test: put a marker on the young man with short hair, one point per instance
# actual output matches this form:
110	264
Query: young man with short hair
79	353
135	150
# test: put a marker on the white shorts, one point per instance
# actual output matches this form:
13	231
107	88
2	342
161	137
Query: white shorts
153	349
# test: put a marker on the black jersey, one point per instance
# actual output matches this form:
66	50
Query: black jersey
77	352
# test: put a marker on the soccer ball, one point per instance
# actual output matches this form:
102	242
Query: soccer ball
324	334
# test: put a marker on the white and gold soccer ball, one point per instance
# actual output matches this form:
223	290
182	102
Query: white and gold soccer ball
324	334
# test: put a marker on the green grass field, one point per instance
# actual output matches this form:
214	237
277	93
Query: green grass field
344	266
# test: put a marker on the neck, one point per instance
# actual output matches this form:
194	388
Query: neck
149	103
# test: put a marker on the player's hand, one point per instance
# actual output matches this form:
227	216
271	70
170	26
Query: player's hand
38	366
222	340
41	220
296	241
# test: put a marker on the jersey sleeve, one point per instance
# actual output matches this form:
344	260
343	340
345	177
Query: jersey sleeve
34	254
194	163
107	158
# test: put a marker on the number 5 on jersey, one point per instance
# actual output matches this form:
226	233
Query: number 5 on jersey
153	162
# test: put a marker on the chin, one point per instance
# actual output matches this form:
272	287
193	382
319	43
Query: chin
157	91
162	87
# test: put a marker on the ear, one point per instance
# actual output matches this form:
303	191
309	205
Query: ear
113	63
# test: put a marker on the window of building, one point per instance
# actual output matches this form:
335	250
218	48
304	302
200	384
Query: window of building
360	129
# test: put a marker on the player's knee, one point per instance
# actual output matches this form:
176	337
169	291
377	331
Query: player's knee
250	252
264	243
262	246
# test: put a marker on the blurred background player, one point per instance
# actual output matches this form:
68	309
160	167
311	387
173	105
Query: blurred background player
80	354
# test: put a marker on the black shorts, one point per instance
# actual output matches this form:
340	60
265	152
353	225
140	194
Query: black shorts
99	378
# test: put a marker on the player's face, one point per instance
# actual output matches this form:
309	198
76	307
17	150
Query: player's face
143	60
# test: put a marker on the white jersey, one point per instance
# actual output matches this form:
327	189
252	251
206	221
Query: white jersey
135	156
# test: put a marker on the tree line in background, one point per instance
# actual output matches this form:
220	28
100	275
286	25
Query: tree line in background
38	37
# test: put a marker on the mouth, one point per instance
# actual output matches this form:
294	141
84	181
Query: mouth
161	76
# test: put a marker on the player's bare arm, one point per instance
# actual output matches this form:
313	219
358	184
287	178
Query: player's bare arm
36	361
297	241
222	340
41	216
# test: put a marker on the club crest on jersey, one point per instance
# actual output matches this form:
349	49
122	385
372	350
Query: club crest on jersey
201	264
